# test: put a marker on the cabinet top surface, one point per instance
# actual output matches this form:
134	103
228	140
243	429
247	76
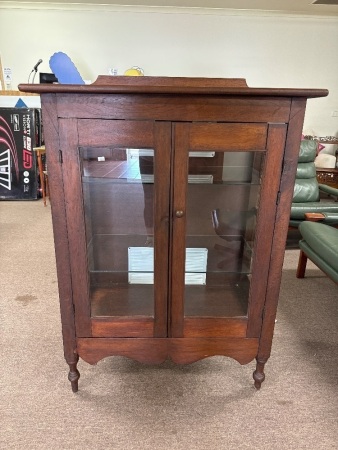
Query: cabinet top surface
170	85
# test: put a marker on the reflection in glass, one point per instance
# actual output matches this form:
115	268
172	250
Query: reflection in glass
118	189
221	221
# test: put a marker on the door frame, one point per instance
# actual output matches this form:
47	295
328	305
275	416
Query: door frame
129	134
256	137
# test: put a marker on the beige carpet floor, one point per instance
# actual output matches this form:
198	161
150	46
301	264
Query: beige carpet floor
125	405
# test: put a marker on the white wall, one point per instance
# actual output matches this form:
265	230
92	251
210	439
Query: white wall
268	50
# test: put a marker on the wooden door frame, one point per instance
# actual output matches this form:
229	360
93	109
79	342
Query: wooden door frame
130	134
269	139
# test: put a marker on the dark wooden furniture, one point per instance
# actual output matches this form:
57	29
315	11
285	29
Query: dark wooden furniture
142	271
42	173
327	176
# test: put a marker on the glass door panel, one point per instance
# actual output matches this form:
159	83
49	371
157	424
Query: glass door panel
118	190
220	232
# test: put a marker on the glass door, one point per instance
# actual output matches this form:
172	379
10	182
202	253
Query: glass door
222	200
123	223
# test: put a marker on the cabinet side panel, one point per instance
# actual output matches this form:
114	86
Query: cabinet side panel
74	213
281	225
50	123
265	226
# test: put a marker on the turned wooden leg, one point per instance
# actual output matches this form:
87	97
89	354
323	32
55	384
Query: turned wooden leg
73	376
258	374
301	265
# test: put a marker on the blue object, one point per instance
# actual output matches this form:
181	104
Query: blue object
20	104
64	69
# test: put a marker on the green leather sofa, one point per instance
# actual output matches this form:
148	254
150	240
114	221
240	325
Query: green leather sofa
319	243
306	196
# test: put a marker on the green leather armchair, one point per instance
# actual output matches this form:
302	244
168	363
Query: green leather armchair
306	196
319	243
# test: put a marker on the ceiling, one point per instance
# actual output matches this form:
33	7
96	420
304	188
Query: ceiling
305	7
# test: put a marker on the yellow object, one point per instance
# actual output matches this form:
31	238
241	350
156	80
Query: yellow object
134	72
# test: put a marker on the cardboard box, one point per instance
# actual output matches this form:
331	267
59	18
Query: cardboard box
20	132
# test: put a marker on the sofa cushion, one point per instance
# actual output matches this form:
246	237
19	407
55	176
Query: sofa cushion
306	190
298	210
307	151
306	170
323	240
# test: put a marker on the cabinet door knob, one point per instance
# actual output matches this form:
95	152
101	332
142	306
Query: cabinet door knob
179	213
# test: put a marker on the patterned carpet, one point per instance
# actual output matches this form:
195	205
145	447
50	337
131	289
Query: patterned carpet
124	405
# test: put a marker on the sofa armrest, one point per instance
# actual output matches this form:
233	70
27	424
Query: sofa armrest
326	217
328	189
314	217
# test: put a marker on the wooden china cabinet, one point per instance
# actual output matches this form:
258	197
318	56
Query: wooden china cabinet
170	203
